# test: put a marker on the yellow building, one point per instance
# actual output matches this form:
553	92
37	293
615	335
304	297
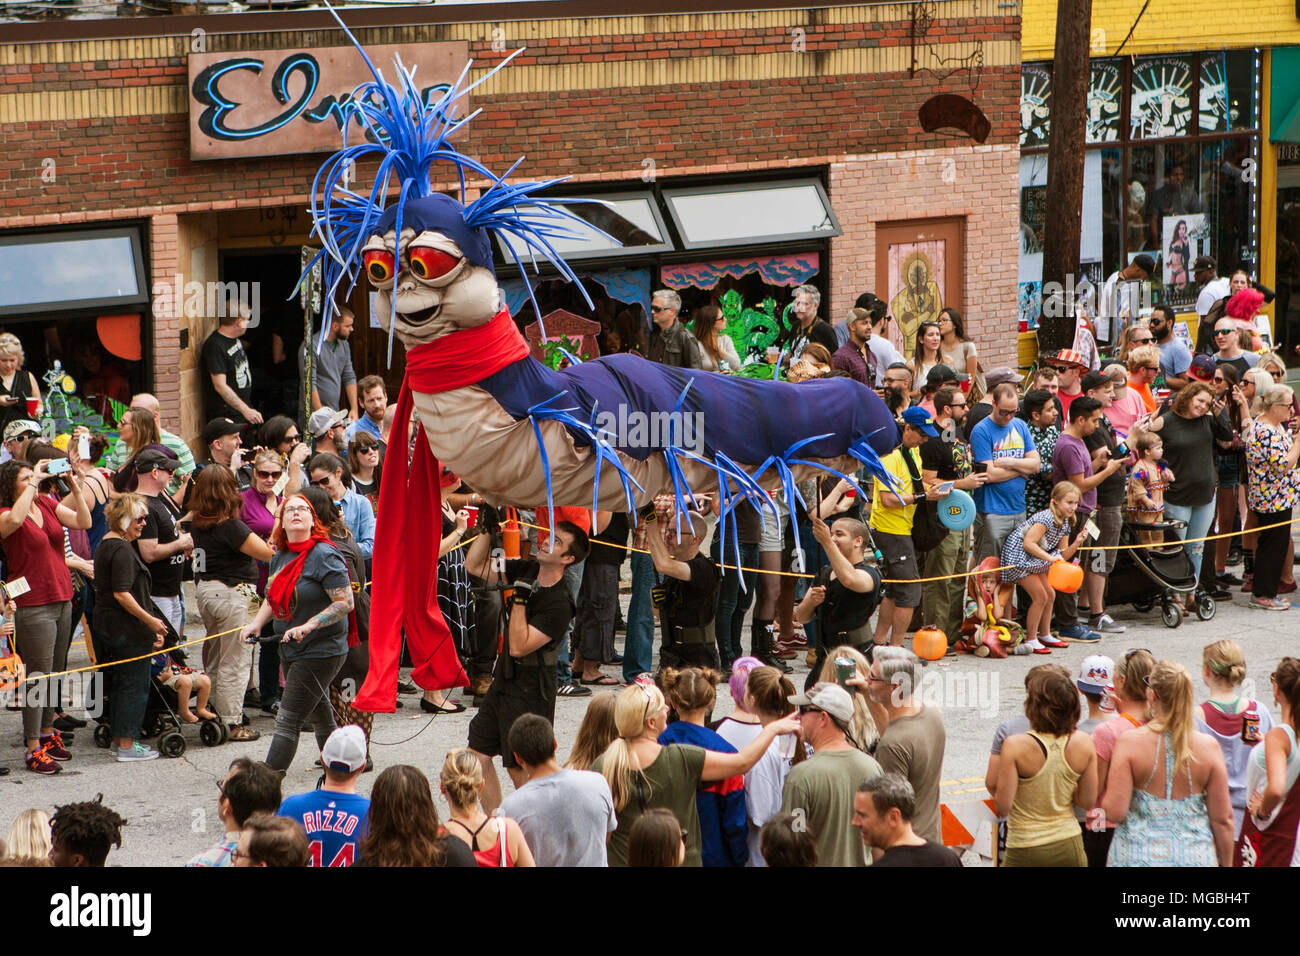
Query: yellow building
1193	146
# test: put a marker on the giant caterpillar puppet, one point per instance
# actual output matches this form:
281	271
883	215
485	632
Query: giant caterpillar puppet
515	430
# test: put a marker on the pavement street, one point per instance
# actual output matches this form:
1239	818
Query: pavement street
171	803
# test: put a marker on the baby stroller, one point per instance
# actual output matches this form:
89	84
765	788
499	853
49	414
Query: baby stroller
1157	573
160	718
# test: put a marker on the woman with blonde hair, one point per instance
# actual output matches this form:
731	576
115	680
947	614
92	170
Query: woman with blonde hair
1180	813
862	728
1236	722
595	733
29	836
17	387
768	696
642	773
461	782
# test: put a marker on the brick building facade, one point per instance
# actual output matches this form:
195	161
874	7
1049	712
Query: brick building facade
96	119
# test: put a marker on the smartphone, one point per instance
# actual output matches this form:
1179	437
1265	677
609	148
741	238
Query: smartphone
944	487
83	447
1121	451
980	467
58	466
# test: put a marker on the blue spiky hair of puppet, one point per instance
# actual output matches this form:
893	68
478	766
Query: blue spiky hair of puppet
408	135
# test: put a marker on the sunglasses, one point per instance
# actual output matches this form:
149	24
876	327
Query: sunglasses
366	449
322	482
1278	374
1150	368
294	437
1059	369
1224	331
1146	341
809	709
269	474
660	308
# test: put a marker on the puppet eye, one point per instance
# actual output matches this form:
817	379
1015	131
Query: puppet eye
379	264
429	263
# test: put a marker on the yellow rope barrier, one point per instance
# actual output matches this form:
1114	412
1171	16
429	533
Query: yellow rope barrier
727	567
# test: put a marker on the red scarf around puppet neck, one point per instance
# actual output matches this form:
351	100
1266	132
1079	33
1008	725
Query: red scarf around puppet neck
279	590
405	564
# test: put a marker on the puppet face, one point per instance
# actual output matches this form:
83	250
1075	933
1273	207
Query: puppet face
436	289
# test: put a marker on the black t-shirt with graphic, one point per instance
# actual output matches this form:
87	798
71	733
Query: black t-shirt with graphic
222	355
161	525
845	609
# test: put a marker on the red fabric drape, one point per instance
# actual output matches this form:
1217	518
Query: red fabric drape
404	592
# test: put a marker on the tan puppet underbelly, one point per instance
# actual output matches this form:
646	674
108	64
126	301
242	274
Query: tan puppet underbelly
497	455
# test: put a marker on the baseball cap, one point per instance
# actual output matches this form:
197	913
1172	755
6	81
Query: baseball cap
20	427
220	428
1204	262
345	751
1093	380
918	417
832	698
1202	368
1095	674
151	457
323	419
999	375
939	375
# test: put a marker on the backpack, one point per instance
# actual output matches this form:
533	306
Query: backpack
927	529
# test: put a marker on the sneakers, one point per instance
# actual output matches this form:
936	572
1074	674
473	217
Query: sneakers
1286	587
1247	583
1106	625
53	747
573	690
786	652
138	751
1227	580
39	762
1269	604
406	687
1078	634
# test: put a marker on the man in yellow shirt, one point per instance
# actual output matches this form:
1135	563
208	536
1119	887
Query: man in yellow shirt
891	527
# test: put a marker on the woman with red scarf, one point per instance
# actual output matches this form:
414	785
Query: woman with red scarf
309	599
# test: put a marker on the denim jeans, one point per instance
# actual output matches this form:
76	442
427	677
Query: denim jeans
572	581
639	645
1198	518
732	604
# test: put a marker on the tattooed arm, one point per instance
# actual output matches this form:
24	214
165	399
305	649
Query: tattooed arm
341	604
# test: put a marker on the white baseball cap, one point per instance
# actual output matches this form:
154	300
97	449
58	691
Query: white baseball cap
345	751
1095	674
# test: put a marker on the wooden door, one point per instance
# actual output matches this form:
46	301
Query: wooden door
920	266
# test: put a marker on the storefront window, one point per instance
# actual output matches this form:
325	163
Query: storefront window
751	213
1169	174
46	272
1161	97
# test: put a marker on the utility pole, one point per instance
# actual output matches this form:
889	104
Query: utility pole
1065	156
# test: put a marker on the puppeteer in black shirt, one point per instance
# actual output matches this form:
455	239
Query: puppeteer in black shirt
690	604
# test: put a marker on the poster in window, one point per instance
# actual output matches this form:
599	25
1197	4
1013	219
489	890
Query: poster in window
1162	97
1215	110
1105	94
1183	238
916	282
1035	104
